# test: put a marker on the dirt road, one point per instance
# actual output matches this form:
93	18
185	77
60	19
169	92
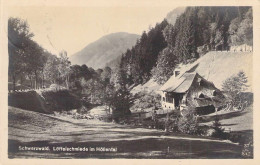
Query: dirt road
107	140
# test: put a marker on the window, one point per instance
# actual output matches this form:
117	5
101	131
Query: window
201	95
163	99
199	81
169	99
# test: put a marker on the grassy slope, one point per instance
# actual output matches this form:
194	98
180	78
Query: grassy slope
29	100
44	101
232	120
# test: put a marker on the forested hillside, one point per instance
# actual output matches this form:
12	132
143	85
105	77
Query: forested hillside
195	32
139	61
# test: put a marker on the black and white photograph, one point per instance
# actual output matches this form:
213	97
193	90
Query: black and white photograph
120	82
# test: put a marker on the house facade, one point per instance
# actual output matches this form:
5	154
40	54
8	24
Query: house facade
190	90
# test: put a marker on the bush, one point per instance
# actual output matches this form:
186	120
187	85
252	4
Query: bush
204	131
146	100
173	124
188	123
248	149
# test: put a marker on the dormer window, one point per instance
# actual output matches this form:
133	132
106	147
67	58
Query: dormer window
176	73
214	93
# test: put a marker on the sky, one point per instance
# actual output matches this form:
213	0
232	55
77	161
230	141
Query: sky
72	28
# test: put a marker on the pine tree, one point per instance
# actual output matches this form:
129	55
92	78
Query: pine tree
122	99
218	130
164	67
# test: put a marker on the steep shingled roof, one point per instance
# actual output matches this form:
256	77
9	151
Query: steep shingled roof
179	84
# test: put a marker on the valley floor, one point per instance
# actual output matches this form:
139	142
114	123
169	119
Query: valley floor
29	129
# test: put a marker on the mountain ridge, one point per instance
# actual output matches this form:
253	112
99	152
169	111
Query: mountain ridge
107	48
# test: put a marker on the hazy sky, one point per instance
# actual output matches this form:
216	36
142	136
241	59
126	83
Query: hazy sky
72	28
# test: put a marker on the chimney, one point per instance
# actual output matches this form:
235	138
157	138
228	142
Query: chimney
176	73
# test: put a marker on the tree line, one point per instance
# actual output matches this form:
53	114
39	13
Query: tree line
196	31
30	65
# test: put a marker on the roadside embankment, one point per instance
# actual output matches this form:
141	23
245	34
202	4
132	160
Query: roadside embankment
44	101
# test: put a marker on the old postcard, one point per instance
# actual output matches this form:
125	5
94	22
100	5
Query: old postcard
132	80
